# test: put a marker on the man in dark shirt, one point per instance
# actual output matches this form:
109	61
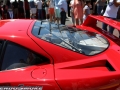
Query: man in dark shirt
68	3
15	9
27	9
20	9
94	8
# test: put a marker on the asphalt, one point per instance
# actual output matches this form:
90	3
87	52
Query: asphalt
68	21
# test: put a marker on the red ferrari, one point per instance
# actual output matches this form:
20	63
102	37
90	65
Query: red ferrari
57	57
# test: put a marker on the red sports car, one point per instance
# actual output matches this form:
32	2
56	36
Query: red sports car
56	57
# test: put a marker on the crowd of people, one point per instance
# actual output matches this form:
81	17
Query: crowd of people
80	9
54	10
57	10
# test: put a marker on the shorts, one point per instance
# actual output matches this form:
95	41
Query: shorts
57	13
51	11
33	10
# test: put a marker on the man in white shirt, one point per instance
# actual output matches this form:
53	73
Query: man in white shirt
32	9
63	6
111	12
39	7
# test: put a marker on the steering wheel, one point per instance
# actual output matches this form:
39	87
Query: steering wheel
17	65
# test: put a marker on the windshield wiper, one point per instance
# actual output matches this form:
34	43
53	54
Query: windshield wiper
69	44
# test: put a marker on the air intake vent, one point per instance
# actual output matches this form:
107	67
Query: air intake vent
100	65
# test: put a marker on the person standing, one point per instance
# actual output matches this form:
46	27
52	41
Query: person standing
94	7
57	11
39	7
15	9
63	6
68	3
111	12
43	9
9	9
100	5
27	9
71	11
86	10
4	12
20	9
51	10
46	9
78	11
32	9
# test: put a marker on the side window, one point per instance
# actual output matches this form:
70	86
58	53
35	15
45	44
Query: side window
17	56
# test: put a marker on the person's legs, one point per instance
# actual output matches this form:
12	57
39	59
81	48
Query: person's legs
14	13
61	13
111	29
50	17
50	13
33	13
68	2
22	13
46	10
27	14
99	9
63	17
77	21
104	26
39	14
11	15
19	12
57	15
81	20
73	19
43	14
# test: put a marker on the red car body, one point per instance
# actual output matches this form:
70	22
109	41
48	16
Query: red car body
67	69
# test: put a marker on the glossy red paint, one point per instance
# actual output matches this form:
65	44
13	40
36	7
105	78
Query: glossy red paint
25	76
91	73
67	70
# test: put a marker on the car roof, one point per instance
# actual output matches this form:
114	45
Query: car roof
14	26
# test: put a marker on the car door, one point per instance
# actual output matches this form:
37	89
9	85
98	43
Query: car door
22	67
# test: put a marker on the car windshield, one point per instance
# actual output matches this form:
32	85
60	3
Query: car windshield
81	41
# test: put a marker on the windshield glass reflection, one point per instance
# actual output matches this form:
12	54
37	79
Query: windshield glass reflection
77	40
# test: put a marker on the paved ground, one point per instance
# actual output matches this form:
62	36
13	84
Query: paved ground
68	21
99	24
